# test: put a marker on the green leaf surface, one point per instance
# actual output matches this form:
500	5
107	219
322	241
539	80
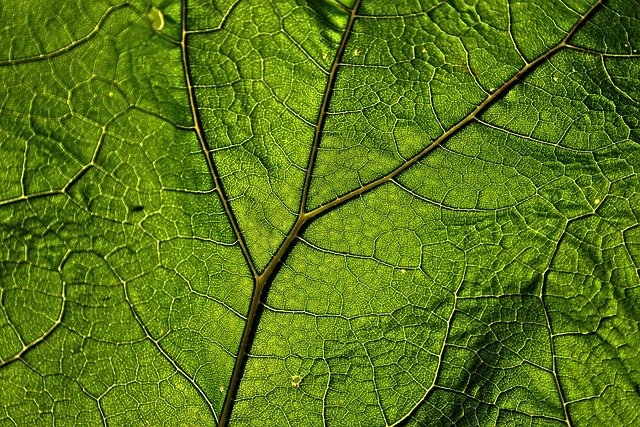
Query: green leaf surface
319	213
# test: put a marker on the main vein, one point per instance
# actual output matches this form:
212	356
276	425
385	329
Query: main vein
259	291
304	216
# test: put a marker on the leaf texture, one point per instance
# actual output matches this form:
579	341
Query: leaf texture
319	213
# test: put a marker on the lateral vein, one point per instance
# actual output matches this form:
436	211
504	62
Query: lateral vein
488	101
205	146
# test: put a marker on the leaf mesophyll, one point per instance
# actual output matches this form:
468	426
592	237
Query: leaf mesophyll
319	213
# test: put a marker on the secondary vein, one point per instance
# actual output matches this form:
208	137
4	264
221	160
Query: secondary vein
488	101
205	146
326	99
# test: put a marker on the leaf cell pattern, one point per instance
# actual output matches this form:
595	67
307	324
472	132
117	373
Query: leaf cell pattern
319	213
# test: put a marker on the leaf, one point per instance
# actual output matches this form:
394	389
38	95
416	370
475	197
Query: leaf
318	213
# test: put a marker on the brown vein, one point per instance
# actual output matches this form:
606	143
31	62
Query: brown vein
205	146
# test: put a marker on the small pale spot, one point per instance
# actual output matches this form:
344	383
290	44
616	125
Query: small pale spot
596	201
296	380
356	52
221	389
403	271
409	138
157	18
110	94
555	78
325	55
